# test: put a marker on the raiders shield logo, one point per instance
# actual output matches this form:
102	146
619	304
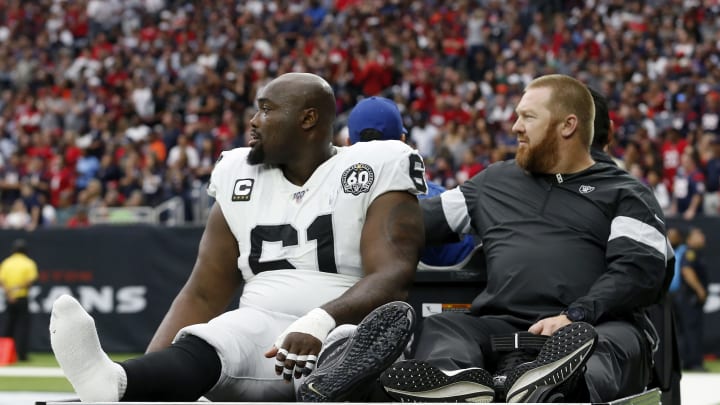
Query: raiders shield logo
242	189
357	179
586	189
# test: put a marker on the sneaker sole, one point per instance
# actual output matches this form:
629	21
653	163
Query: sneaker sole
416	381
564	353
379	340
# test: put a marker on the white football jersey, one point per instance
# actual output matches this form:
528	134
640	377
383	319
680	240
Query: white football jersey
302	243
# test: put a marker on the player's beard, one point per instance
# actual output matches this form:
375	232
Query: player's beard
541	157
256	155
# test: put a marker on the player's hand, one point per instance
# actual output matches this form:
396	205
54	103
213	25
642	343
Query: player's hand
297	355
548	326
296	349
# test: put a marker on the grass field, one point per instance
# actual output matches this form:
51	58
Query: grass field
45	384
60	384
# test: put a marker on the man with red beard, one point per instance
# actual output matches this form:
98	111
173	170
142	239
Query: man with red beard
575	251
573	246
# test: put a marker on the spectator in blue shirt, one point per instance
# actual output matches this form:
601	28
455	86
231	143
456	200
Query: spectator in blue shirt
677	241
87	166
378	119
688	187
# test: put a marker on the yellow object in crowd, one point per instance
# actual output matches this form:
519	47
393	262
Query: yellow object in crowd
17	272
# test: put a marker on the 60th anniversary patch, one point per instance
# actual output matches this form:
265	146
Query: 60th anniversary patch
357	179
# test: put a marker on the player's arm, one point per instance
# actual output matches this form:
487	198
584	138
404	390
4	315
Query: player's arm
211	286
390	246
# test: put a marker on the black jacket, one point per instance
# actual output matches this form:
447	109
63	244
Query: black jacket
594	239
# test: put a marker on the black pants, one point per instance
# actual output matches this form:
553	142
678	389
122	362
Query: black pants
690	321
620	365
18	326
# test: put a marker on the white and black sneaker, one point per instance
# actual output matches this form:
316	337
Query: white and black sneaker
418	381
560	360
355	364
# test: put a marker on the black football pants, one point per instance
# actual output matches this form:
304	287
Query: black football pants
619	366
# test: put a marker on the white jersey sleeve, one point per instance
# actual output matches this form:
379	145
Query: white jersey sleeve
393	166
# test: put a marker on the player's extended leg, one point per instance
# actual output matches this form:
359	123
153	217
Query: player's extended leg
352	369
77	349
182	372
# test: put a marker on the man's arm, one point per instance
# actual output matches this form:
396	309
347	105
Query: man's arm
446	215
390	246
692	280
636	255
211	286
636	277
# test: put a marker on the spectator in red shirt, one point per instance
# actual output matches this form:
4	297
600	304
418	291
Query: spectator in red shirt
469	167
672	150
79	219
62	179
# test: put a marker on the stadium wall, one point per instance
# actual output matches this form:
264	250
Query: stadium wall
127	277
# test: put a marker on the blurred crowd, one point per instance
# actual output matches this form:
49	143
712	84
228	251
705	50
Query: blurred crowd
127	103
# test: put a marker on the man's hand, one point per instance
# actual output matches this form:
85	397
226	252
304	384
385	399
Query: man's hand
548	326
296	349
297	357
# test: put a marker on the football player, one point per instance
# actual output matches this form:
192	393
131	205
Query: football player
317	236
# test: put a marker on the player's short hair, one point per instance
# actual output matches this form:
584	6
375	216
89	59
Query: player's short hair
370	134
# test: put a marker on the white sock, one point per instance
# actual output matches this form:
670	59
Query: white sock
75	342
